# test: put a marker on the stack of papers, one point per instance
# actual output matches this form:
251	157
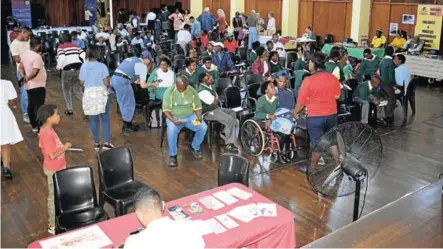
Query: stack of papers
226	221
213	226
239	193
91	237
245	213
211	203
225	197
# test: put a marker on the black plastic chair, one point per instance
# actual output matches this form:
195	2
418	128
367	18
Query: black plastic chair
232	97
243	53
222	84
178	65
233	169
253	95
75	199
329	38
117	184
253	79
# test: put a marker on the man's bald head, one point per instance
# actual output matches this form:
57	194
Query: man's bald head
182	83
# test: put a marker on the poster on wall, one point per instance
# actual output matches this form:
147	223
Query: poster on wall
393	27
21	10
408	19
429	21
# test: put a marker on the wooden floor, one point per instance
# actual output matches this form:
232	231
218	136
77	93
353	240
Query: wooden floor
412	159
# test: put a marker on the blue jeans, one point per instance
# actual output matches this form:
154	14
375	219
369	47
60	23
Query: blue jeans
106	125
125	97
253	36
317	126
23	97
173	131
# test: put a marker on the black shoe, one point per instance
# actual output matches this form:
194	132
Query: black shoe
7	173
97	147
231	147
108	146
389	120
69	112
197	153
172	161
130	127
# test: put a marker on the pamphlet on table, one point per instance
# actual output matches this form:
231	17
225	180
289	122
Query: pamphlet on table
90	237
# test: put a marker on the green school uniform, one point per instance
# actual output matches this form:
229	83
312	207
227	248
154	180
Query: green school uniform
387	71
159	91
265	106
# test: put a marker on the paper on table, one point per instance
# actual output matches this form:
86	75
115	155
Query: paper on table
244	213
267	209
91	237
239	193
226	221
216	227
225	197
211	203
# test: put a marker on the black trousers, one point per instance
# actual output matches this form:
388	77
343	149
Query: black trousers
389	94
36	98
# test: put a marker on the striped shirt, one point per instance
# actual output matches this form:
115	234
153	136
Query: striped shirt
68	54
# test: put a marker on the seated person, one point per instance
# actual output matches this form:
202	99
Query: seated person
121	41
274	62
77	41
301	62
190	72
204	39
333	67
227	117
379	39
164	76
278	46
414	45
208	67
269	46
137	39
222	59
102	34
192	54
286	96
230	44
366	93
101	41
253	54
368	66
148	41
183	108
348	70
399	41
150	210
209	49
261	65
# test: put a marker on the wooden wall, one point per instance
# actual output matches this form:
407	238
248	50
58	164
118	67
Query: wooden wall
214	5
264	7
326	17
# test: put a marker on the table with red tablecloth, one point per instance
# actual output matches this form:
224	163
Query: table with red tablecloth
261	232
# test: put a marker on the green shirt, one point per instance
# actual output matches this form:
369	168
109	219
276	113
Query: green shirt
347	71
265	107
363	91
183	104
275	67
213	71
192	78
300	64
387	71
252	57
207	107
159	91
367	67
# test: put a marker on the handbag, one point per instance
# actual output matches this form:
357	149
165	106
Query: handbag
94	100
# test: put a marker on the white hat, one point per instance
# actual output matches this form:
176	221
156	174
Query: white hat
219	44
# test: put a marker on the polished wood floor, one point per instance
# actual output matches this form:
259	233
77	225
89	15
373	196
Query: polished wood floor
412	159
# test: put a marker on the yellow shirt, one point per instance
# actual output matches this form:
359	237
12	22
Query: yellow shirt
398	42
378	42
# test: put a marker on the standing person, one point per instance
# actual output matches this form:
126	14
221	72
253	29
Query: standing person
69	60
53	154
164	18
14	33
261	22
387	76
9	132
221	21
135	22
252	24
33	71
94	76
18	47
187	17
177	19
319	94
196	27
121	16
75	40
184	37
271	28
237	23
132	69
207	20
368	66
88	17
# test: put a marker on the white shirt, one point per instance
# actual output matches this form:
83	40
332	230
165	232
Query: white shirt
206	96
82	35
166	233
281	52
102	34
166	77
184	36
271	24
88	14
19	48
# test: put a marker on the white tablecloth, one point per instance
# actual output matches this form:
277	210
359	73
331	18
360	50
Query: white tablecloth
263	39
425	67
58	29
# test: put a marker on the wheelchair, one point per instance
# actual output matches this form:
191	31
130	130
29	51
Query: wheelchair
256	138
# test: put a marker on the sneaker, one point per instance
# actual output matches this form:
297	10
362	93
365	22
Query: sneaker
69	112
172	161
97	147
108	146
231	147
34	130
26	118
130	127
197	153
7	173
51	230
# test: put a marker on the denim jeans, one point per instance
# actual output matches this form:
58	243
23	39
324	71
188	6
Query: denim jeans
318	126
106	125
23	97
173	131
253	36
125	97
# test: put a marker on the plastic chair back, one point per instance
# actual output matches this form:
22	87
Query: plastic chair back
232	97
115	167
233	169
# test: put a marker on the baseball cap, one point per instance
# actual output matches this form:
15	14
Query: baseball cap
281	74
219	44
146	55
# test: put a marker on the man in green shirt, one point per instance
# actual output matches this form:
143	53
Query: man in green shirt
333	67
208	67
369	92
183	108
368	66
387	76
190	72
212	112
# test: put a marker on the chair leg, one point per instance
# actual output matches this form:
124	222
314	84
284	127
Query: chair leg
147	116
210	130
118	209
162	136
405	107
101	201
411	98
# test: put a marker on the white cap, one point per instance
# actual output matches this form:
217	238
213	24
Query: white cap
219	44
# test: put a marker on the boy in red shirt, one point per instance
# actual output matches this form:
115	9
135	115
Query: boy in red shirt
53	153
231	45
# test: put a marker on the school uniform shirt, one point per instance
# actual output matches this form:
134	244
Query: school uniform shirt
402	76
266	106
31	60
207	95
387	71
181	104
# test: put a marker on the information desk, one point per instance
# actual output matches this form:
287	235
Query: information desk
425	67
261	232
356	52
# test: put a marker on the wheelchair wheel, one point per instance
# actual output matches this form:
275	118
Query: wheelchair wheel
287	154
252	137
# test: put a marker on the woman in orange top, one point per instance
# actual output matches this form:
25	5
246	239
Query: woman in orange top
221	20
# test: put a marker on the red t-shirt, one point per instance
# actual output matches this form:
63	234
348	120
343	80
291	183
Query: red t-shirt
50	143
318	93
204	39
13	35
231	46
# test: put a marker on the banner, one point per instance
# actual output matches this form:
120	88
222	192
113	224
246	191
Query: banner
429	21
91	5
21	10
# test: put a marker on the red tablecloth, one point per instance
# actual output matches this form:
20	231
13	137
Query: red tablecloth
262	232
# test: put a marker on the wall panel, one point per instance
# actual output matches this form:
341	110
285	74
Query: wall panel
396	15
264	7
379	19
305	16
214	5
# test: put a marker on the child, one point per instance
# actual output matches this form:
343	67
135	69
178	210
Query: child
267	104
53	153
274	62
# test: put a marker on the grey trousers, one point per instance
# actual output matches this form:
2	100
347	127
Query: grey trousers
365	110
228	118
71	84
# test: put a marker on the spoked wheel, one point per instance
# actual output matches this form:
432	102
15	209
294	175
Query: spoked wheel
252	137
287	154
